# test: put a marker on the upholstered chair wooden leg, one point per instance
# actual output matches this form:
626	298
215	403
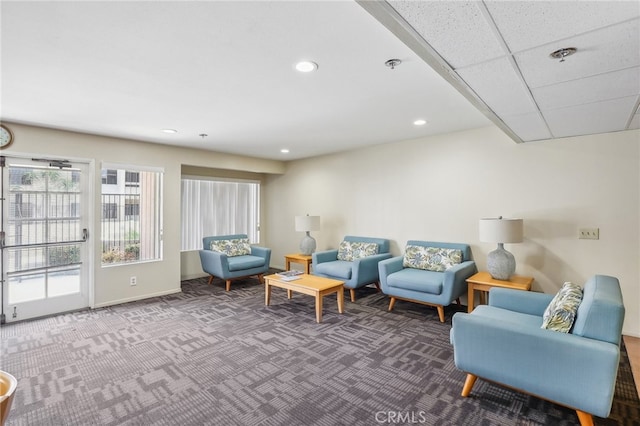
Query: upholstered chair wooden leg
377	284
228	287
261	278
352	292
468	384
391	303
210	279
458	301
441	313
585	419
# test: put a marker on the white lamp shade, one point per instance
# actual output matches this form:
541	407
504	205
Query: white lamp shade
307	223
498	230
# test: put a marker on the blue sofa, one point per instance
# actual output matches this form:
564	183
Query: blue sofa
437	289
356	273
503	342
228	268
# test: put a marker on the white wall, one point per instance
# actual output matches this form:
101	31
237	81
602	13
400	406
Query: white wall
111	284
437	188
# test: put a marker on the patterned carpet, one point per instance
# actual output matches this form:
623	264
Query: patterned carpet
208	357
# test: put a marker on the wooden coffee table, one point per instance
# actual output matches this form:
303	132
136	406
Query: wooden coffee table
307	284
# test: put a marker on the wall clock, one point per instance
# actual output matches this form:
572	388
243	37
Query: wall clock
6	137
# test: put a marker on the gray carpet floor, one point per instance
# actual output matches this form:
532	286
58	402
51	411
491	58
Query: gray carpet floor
210	357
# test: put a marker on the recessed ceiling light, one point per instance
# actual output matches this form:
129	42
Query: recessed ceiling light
306	66
420	122
170	130
284	151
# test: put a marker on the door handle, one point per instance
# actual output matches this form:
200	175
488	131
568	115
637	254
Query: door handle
85	234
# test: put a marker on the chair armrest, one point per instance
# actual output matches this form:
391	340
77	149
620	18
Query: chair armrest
526	302
365	270
455	278
214	263
324	256
571	370
262	252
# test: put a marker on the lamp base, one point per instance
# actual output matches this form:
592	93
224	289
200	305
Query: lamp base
307	245
500	263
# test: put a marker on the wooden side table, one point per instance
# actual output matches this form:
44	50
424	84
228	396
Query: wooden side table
298	258
482	281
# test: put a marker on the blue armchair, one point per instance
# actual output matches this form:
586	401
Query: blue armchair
355	273
233	264
424	286
503	342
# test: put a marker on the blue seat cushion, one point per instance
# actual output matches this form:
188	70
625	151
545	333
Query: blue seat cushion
239	263
525	321
417	280
337	268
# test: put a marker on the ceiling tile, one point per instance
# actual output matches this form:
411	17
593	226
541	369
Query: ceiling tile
525	24
598	52
530	127
498	84
457	30
601	87
599	117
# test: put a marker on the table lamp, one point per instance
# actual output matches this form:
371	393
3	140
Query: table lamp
306	224
500	263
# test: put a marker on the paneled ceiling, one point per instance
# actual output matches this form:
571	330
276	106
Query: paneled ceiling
225	70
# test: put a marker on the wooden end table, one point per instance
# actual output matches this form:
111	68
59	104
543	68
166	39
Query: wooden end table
307	284
298	258
482	281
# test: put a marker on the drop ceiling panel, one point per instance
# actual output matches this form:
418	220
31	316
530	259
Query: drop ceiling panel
498	84
527	24
612	48
456	29
599	117
611	85
530	127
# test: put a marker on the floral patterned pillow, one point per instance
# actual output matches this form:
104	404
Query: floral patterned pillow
431	258
235	247
561	312
352	250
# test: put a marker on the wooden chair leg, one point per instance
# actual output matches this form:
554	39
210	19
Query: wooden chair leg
585	419
228	287
458	301
210	279
391	303
468	384
352	293
377	284
261	278
441	313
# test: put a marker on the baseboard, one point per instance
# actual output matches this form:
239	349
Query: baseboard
135	299
192	276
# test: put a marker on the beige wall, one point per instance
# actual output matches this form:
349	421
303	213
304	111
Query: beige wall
111	284
437	188
433	188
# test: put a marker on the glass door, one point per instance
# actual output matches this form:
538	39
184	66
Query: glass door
44	238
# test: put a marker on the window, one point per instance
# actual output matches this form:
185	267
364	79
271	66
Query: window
131	215
218	207
109	177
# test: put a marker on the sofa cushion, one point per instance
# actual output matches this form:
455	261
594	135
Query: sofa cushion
233	247
435	259
338	268
417	280
352	250
239	263
561	312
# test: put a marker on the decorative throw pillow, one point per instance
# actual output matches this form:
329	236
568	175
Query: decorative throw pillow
234	247
431	258
352	250
561	312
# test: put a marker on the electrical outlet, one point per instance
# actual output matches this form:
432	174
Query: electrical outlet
589	233
133	281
